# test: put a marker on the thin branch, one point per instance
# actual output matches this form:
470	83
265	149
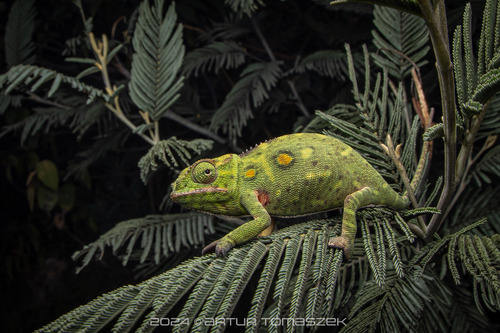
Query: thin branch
192	126
389	150
41	100
270	53
101	52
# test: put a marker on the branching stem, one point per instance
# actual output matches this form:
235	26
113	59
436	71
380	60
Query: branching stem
434	14
101	52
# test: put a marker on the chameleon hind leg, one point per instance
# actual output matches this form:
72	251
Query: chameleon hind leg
361	198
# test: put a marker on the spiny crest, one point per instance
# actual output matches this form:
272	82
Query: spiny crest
247	151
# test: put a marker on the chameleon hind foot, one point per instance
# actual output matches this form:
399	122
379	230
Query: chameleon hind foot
342	242
221	246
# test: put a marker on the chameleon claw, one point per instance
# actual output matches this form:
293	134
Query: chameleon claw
221	247
209	248
342	242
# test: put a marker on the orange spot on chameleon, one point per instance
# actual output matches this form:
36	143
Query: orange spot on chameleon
284	159
250	173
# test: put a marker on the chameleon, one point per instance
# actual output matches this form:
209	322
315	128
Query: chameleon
289	176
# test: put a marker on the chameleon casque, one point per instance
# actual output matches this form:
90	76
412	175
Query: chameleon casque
289	176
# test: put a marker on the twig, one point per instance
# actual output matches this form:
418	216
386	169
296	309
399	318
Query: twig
192	126
270	53
39	99
389	150
101	52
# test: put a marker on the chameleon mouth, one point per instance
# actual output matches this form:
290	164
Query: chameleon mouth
198	191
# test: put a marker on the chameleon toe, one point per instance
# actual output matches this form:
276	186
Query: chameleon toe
343	243
210	247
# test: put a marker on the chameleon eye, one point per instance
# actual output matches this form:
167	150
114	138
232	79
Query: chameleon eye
204	172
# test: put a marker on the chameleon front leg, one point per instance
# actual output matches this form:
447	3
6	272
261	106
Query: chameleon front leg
247	231
361	198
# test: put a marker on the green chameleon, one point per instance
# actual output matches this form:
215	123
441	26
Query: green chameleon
292	175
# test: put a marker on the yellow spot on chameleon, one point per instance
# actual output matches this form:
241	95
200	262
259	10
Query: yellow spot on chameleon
250	173
284	159
278	193
307	152
346	152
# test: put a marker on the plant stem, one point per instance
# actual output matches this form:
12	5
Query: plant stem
435	17
101	52
270	53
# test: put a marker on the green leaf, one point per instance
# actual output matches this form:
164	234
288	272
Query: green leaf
213	57
159	51
47	173
19	47
249	92
244	6
156	235
171	153
410	6
402	40
67	196
46	198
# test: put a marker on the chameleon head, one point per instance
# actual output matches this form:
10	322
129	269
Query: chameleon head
207	184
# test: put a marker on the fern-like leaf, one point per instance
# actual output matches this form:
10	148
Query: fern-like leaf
213	57
31	78
410	6
171	153
249	92
19	47
244	6
392	308
402	40
159	50
159	235
329	63
215	285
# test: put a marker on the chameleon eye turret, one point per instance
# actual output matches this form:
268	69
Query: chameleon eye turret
204	172
293	175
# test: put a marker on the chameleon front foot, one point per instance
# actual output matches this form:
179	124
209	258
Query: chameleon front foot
221	246
342	242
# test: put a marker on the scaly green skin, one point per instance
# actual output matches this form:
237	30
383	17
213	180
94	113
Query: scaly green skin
293	175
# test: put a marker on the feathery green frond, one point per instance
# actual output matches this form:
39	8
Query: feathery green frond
480	257
171	153
331	63
30	78
215	285
19	47
213	57
394	307
485	203
376	255
402	41
249	92
377	114
159	235
159	51
489	165
244	6
72	112
477	80
409	6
